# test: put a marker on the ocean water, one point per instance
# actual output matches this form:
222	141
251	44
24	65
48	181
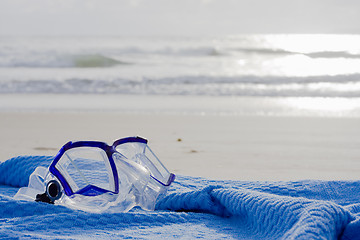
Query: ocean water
290	67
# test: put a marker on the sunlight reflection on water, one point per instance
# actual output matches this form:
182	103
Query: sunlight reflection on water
300	55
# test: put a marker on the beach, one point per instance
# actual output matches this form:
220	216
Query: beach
196	137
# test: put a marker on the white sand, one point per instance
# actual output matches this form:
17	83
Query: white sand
216	146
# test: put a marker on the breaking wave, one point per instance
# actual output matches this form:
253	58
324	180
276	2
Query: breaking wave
49	59
102	60
60	61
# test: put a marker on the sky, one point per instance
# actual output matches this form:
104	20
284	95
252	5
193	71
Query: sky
177	17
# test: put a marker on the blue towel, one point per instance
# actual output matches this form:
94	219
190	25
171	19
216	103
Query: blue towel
193	208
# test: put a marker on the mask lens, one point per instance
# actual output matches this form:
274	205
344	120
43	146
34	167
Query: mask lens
142	154
86	166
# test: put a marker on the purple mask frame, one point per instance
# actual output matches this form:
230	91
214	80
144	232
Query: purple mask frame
91	190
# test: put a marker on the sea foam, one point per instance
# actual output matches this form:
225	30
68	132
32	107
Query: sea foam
319	86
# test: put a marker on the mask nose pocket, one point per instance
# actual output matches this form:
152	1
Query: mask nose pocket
133	177
131	173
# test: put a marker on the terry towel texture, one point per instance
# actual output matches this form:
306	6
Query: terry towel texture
194	208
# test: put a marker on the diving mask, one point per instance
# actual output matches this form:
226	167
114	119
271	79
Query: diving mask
95	177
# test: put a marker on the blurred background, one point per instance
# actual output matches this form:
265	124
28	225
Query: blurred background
286	74
306	51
